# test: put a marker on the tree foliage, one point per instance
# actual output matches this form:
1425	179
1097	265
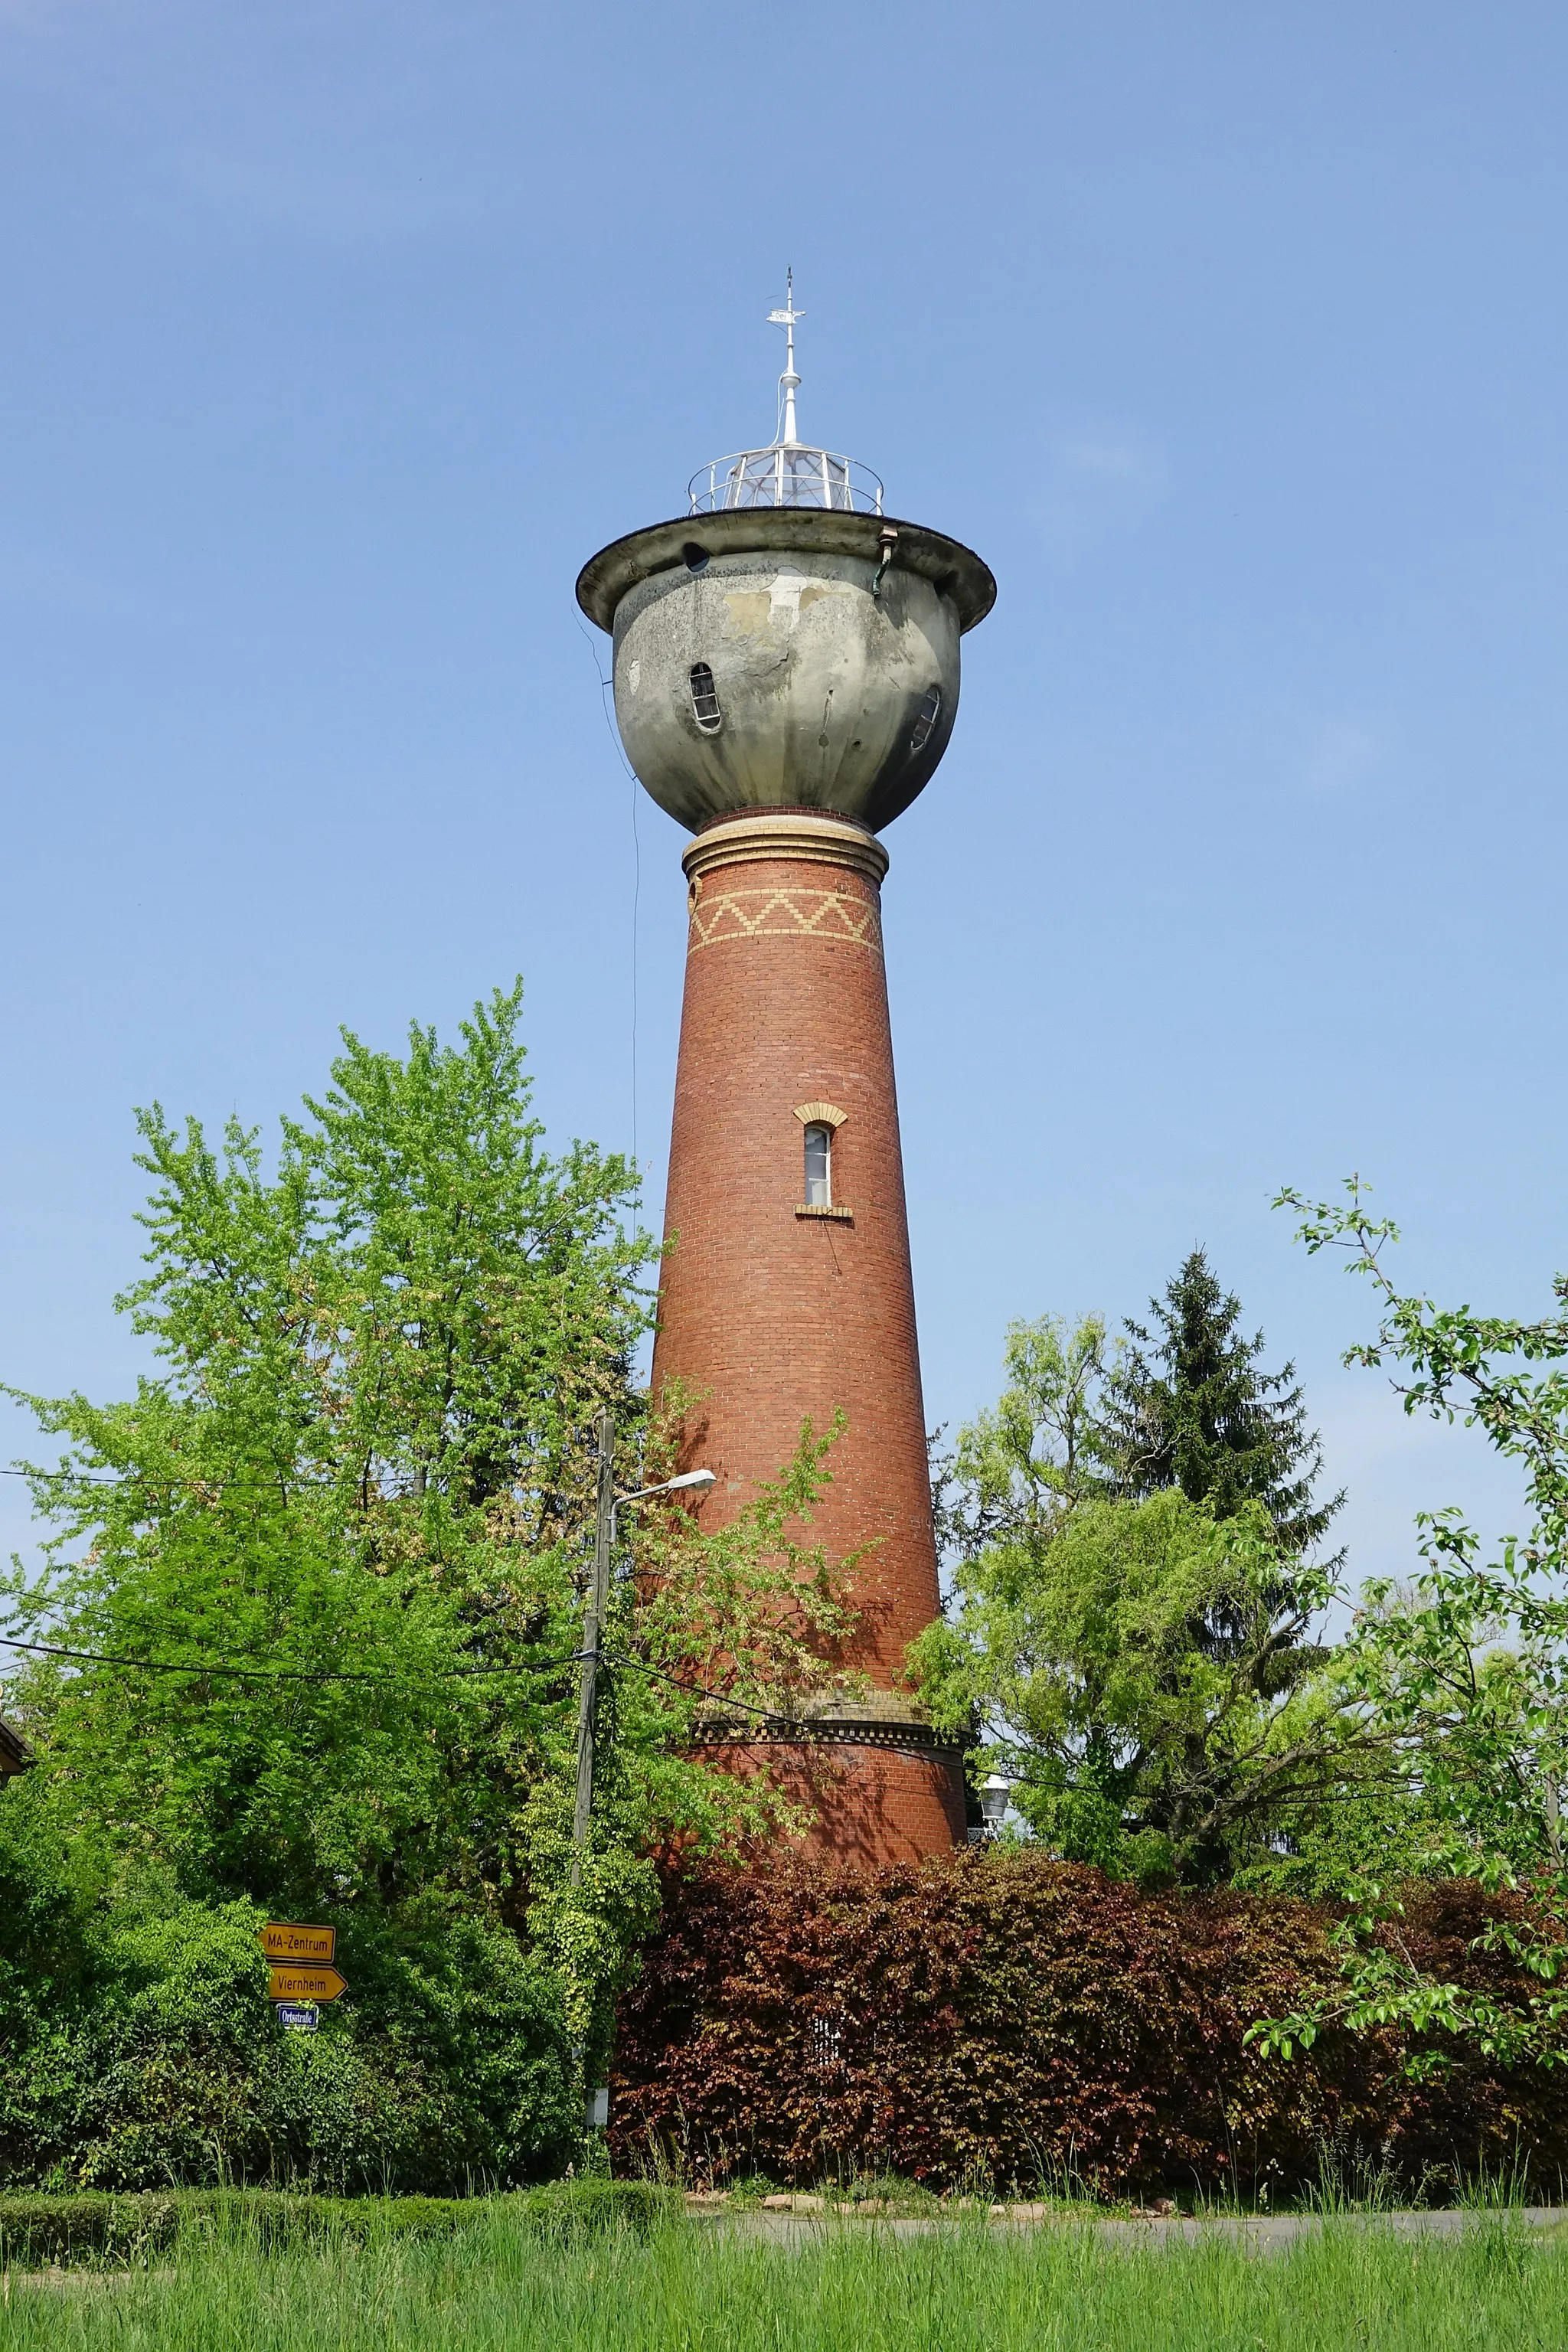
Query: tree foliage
1135	1736
1136	1637
138	2047
1021	1465
1137	1661
1189	1405
1466	1669
307	1634
363	1460
998	2017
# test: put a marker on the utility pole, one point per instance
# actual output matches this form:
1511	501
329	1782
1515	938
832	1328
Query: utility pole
592	1627
594	1617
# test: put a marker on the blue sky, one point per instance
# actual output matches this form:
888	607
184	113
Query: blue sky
337	336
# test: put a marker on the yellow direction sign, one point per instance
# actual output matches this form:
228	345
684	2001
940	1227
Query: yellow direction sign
307	1983
281	1940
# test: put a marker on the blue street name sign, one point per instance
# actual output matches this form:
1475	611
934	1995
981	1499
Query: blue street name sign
297	2016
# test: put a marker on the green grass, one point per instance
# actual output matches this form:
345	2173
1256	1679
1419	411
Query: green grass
98	2229
500	2281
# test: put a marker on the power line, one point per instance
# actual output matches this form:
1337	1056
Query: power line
606	689
169	1478
764	1714
355	1675
278	1674
281	1478
1374	1791
768	1715
1289	1800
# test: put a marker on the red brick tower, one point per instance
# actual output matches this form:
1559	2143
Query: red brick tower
786	677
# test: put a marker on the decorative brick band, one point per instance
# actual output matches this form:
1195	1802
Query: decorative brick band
817	840
774	914
828	1731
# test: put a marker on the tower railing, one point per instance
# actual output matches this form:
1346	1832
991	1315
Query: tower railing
788	475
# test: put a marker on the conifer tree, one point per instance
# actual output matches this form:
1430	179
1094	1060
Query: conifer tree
1130	1633
1191	1406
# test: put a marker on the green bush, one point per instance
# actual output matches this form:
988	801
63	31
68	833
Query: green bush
564	2209
139	2049
95	2227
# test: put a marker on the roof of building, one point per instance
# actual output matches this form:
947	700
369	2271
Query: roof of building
953	568
15	1756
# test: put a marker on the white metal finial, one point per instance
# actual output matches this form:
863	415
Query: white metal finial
787	473
789	383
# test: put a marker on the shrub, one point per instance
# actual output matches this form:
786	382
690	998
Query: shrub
448	2066
999	2017
96	2228
566	2210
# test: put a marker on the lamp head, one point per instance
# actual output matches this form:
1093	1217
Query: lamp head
995	1795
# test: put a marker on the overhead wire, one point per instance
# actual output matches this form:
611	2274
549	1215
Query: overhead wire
721	1698
168	1478
606	689
197	1478
285	1674
770	1717
231	1670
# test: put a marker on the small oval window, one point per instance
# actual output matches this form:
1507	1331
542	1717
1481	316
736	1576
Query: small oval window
926	719
705	699
696	557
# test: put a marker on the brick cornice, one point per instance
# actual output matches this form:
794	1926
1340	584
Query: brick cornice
910	1738
817	840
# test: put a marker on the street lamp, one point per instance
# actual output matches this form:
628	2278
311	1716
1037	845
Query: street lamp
994	1796
694	1479
698	1480
593	1616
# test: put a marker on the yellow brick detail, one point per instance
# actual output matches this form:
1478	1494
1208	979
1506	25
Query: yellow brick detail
775	914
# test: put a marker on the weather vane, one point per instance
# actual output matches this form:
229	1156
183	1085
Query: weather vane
789	383
789	472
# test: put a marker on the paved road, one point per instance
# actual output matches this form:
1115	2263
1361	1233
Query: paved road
1259	2233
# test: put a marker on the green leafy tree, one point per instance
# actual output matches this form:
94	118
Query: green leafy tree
1137	1667
1130	1742
362	1469
1022	1463
307	1633
1465	1670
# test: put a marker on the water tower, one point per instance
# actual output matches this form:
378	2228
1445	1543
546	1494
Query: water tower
786	670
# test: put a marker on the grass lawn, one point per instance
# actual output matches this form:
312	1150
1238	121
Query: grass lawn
687	2286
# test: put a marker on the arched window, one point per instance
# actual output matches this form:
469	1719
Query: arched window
818	1167
705	699
930	704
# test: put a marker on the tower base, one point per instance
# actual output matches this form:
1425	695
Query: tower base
877	1801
